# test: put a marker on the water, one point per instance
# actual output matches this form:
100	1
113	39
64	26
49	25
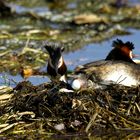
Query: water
9	80
90	52
21	9
98	51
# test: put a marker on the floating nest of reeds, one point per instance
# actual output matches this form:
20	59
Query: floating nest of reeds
44	111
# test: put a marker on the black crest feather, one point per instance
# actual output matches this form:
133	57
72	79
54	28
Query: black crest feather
119	43
53	47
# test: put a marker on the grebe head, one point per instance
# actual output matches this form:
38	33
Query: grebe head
121	51
56	65
55	54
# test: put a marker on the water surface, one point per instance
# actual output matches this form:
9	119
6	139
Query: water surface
90	52
97	51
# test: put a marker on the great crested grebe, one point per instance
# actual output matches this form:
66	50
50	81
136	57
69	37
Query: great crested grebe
56	68
118	67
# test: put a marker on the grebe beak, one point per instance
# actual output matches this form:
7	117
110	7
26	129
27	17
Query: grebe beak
135	55
137	61
131	55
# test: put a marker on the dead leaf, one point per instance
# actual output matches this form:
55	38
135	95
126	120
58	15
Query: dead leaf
89	18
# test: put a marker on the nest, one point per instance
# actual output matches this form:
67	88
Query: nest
36	111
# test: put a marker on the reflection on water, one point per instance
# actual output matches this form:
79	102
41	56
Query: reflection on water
90	52
44	6
6	79
21	9
134	1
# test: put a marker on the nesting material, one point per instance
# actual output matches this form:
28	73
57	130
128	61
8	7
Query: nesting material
44	110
